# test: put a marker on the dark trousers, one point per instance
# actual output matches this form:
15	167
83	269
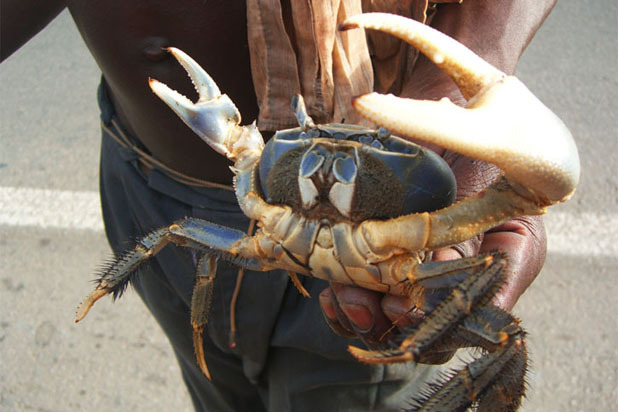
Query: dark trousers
286	357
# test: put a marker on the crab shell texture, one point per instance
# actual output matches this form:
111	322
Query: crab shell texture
323	181
304	193
339	173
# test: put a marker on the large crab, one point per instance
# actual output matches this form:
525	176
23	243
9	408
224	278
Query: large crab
356	206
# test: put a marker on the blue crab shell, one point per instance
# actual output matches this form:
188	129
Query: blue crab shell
381	176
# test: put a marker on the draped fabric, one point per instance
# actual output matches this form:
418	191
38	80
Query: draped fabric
295	47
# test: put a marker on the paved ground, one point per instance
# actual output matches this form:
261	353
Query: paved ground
119	360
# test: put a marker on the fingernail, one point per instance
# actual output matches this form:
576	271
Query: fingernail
327	307
359	315
405	319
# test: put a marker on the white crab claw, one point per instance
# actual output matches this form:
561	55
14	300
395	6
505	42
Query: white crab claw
502	123
214	117
203	83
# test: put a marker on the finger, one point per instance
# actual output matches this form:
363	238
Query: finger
406	316
525	243
464	249
362	308
332	313
401	311
472	176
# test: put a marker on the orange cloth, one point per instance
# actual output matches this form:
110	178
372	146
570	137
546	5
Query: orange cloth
296	48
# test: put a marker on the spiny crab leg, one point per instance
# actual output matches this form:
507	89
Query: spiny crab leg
214	117
503	122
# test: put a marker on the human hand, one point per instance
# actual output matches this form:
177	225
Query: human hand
499	35
355	312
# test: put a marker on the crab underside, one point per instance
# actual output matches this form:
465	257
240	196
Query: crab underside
362	207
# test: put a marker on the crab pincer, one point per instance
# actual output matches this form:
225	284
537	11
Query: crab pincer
214	117
503	122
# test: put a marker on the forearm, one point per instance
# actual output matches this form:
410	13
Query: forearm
20	20
497	30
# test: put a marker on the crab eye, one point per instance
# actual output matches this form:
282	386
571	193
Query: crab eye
344	169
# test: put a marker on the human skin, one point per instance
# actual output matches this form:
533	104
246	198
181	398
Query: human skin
498	31
126	40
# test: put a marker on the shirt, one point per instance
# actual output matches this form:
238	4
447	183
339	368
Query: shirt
295	47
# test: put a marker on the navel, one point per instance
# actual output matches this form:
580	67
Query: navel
154	48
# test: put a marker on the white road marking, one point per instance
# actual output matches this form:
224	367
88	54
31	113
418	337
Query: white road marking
44	208
574	234
590	234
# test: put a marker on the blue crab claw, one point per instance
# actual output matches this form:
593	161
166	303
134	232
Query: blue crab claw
502	123
214	117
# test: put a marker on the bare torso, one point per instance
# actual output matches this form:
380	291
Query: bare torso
126	38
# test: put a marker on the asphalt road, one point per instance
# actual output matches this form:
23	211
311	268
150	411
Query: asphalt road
119	360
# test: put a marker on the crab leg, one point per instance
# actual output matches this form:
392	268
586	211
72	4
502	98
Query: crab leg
116	276
214	117
465	319
200	306
461	221
503	122
482	281
494	382
191	232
